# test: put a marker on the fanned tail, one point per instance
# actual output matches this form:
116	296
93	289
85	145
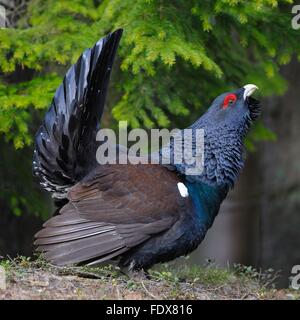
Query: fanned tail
65	144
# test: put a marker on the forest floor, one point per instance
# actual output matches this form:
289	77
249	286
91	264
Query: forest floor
26	279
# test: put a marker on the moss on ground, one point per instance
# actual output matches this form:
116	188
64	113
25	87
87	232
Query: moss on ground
38	279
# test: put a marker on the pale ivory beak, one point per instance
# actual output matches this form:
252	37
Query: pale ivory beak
249	89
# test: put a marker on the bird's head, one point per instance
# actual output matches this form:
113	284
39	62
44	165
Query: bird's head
232	110
225	124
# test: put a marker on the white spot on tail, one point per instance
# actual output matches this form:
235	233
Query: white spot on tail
182	190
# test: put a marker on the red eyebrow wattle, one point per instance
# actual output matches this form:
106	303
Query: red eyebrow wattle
228	98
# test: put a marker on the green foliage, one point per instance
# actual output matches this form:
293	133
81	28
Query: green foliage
266	277
19	192
207	275
175	55
174	58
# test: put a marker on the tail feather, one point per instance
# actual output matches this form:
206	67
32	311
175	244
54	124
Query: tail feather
92	244
65	144
66	230
76	235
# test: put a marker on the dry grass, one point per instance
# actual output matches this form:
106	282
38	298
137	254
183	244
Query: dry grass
39	280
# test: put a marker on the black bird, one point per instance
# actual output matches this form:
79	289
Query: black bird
140	214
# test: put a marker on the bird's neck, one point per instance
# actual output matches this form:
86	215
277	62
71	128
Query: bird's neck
206	200
223	160
223	157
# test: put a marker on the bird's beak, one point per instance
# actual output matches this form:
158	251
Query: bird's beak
249	89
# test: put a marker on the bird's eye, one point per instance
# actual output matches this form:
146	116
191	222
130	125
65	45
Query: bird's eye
229	100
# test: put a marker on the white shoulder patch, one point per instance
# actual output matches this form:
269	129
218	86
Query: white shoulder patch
182	190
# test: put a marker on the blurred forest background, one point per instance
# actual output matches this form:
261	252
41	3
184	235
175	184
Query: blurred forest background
174	58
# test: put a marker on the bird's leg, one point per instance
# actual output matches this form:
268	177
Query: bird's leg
137	274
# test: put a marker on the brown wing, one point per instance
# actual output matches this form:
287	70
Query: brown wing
115	208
